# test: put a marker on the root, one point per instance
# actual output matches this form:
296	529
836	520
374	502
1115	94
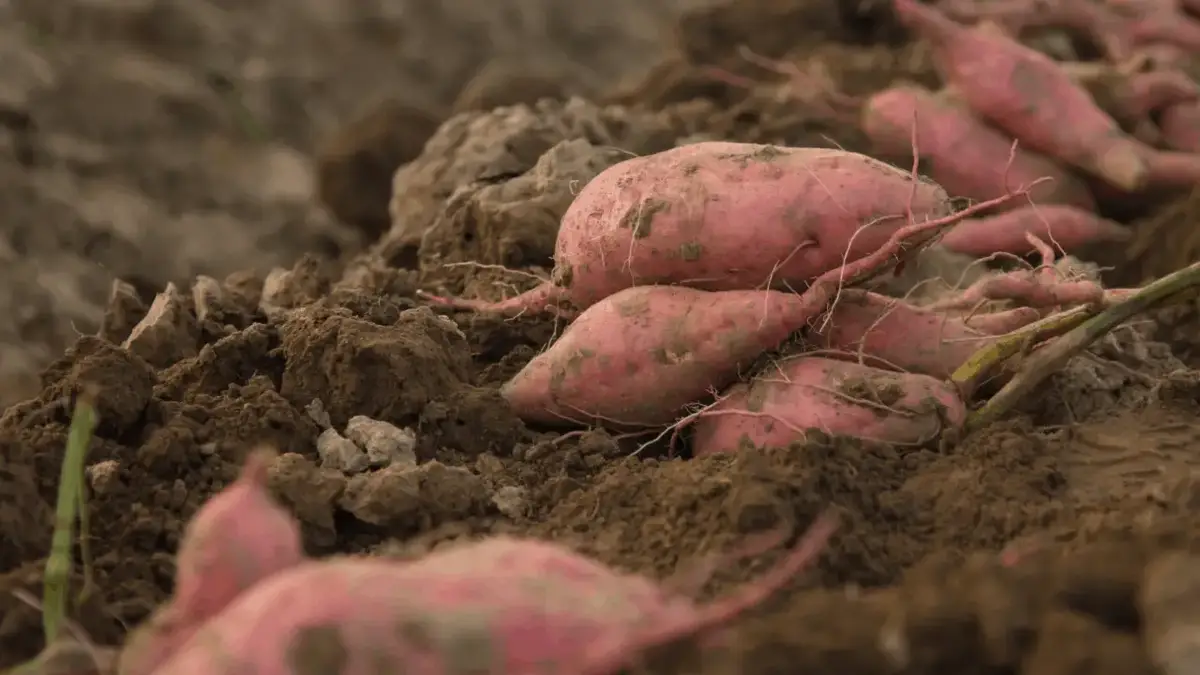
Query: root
1039	287
547	297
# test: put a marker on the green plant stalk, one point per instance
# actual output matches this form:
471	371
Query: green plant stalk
1054	355
986	360
57	577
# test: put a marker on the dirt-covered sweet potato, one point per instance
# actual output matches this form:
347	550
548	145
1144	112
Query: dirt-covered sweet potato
502	606
777	407
1028	94
722	216
637	358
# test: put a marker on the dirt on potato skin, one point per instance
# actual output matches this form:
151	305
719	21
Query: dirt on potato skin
1023	548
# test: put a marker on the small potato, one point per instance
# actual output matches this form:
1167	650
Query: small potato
890	333
777	408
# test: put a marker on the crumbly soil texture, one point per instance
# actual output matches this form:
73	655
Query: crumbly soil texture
203	221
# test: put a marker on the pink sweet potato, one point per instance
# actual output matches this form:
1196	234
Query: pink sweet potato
836	397
1173	169
1028	95
963	154
1066	226
237	539
637	358
1166	25
1180	126
722	216
890	333
1133	98
1083	18
502	606
1155	90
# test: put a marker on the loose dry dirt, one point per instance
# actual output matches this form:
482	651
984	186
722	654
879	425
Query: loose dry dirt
152	141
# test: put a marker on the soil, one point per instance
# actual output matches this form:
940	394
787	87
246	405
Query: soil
205	224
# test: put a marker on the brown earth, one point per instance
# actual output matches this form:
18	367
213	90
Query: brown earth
157	140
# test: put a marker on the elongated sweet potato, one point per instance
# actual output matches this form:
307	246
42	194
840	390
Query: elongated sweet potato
638	357
890	333
963	154
502	606
1066	226
1180	126
1132	98
722	216
836	397
237	539
1028	95
1084	18
1173	169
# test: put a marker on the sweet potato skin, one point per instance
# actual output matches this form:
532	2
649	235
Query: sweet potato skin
502	605
892	334
638	357
775	408
723	216
237	539
1066	227
732	216
1029	95
960	152
1180	126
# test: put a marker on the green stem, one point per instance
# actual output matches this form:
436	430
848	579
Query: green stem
1054	355
57	576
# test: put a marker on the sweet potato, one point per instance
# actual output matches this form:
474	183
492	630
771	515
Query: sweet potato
1173	169
836	397
638	357
1084	18
1166	25
1132	98
1028	95
962	154
1066	226
722	216
237	539
1180	126
890	333
502	606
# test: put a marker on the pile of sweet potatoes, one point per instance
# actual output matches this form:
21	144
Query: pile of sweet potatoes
681	270
1096	128
247	601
